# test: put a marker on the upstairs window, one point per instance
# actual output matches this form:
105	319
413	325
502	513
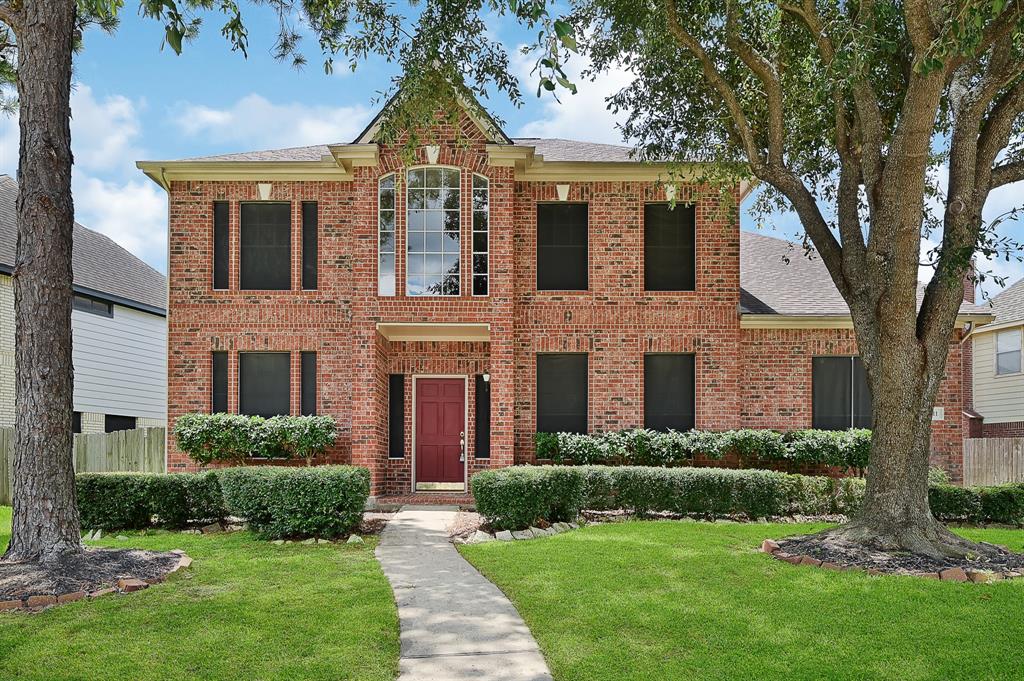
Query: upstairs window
266	237
481	228
264	383
92	306
840	398
669	247
221	244
386	236
562	247
1008	352
433	232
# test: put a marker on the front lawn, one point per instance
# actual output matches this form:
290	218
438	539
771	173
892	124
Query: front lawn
682	600
246	609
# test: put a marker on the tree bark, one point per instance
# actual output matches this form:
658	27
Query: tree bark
45	522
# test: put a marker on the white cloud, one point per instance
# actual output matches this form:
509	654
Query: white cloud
134	214
583	116
104	132
256	122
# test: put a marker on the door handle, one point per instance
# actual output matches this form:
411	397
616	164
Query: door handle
462	446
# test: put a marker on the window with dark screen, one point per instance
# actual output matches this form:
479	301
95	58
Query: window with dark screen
264	383
840	398
266	234
221	244
219	394
669	247
562	247
669	391
562	393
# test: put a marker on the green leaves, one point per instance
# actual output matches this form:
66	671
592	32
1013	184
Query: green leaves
234	438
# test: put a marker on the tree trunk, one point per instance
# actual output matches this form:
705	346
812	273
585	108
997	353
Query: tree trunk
45	521
895	514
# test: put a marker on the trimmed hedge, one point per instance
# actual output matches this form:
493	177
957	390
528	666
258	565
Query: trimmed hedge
641	447
135	501
234	438
280	502
514	498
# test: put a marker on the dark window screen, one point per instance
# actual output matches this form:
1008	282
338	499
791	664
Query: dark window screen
396	416
112	423
482	449
562	247
669	252
219	397
309	245
669	392
266	246
264	384
221	244
308	385
92	306
562	393
840	395
76	422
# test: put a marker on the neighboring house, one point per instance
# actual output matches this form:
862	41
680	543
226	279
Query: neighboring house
445	311
998	367
118	324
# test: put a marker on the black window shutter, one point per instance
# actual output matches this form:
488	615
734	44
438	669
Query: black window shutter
831	392
861	396
219	397
669	391
221	244
264	383
308	385
309	245
266	246
113	423
482	427
562	393
562	247
396	416
669	247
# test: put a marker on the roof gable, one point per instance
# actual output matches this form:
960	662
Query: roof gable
483	120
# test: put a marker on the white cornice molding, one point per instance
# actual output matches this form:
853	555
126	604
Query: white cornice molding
778	321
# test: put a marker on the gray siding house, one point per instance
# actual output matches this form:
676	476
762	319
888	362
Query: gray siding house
119	329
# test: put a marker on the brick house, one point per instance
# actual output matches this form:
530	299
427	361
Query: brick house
444	312
995	379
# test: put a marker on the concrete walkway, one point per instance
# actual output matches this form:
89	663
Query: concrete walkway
455	624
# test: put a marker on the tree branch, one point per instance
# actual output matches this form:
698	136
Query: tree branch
767	75
920	27
1007	173
10	15
997	128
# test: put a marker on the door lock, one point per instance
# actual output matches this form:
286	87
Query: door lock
462	446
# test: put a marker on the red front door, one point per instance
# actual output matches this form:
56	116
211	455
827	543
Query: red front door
440	431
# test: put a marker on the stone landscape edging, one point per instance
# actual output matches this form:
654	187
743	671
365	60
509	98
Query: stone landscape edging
481	537
124	585
955	574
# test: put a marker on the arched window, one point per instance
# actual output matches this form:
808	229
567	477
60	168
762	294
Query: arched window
386	236
433	232
481	225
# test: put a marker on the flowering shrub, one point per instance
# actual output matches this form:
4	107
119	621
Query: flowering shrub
235	438
642	447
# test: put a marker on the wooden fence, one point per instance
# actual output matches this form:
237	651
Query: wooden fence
993	460
139	450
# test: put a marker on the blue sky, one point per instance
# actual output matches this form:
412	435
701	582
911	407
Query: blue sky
134	101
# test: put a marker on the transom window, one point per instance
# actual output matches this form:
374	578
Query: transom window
433	236
481	224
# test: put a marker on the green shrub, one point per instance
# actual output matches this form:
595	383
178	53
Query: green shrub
517	497
135	501
281	502
642	447
234	438
1002	504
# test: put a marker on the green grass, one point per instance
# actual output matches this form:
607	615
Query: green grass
675	600
245	610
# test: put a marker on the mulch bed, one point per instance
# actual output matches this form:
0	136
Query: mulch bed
92	571
373	522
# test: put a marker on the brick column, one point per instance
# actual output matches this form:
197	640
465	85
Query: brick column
369	403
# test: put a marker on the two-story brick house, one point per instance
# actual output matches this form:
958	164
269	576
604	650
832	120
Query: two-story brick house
444	312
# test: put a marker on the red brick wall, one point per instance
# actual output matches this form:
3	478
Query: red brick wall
1011	429
752	378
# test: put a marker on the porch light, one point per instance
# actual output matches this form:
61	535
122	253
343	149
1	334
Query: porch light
264	190
563	192
487	377
433	151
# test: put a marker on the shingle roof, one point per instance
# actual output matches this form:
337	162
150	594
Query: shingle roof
98	262
1008	306
776	277
552	150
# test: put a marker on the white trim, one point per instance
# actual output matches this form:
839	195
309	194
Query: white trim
988	328
435	331
406	210
394	246
465	428
1020	353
